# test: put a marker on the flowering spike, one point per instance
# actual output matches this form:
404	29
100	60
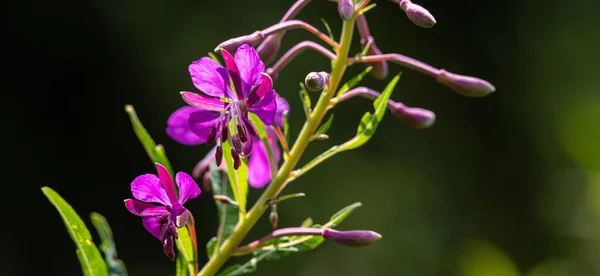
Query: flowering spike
465	85
354	238
233	44
212	135
237	162
413	116
219	155
346	9
417	14
316	81
267	50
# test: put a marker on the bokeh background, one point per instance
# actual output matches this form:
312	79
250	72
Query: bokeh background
500	186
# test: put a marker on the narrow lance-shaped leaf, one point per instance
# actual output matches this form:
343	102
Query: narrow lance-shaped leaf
262	134
238	179
91	260
155	152
116	266
286	197
305	99
228	214
324	127
186	253
181	267
286	126
353	81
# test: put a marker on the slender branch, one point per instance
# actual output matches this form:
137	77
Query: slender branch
295	24
369	94
284	232
310	126
292	53
294	10
401	60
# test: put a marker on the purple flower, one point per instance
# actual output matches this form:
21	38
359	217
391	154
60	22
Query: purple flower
259	173
227	109
161	221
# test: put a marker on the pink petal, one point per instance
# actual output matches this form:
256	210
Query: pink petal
147	188
143	209
188	188
178	127
234	73
266	108
151	224
265	86
201	121
167	182
201	102
259	172
209	77
249	64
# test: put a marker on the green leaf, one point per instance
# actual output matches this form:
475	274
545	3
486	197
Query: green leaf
185	250
307	223
91	260
116	266
155	152
238	179
211	245
286	125
305	99
262	134
324	127
214	57
329	32
228	214
181	267
354	81
369	122
342	214
286	197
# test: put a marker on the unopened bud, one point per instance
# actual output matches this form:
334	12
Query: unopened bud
417	14
224	199
268	49
231	45
464	85
316	81
274	217
321	137
354	238
379	69
414	117
346	9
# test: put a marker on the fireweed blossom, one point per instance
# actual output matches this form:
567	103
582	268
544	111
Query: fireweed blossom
252	92
161	221
259	173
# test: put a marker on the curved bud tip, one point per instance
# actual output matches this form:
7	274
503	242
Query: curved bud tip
354	238
465	85
231	45
417	14
346	9
316	81
268	49
414	117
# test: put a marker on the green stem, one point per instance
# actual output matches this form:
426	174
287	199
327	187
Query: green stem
311	124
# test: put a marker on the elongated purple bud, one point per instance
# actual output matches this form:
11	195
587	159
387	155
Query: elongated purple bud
315	81
354	238
465	85
346	9
414	117
379	69
232	44
237	162
268	49
417	14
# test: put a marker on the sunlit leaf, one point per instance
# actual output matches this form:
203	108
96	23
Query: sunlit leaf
342	214
238	179
305	99
91	260
286	197
185	250
228	214
353	81
211	245
116	267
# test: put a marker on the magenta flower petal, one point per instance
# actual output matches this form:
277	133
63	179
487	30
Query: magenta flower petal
178	127
201	102
147	188
282	106
152	225
234	73
187	187
266	108
143	209
265	86
259	172
167	182
209	77
249	65
201	122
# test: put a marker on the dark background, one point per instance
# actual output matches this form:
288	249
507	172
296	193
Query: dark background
504	185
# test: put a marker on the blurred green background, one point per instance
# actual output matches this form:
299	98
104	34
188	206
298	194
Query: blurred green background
500	186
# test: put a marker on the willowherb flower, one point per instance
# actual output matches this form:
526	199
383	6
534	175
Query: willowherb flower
259	173
161	221
227	110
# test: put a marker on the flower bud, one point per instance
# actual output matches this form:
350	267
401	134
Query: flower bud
379	69
414	117
417	14
346	9
464	85
274	217
231	45
268	49
354	238
316	81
